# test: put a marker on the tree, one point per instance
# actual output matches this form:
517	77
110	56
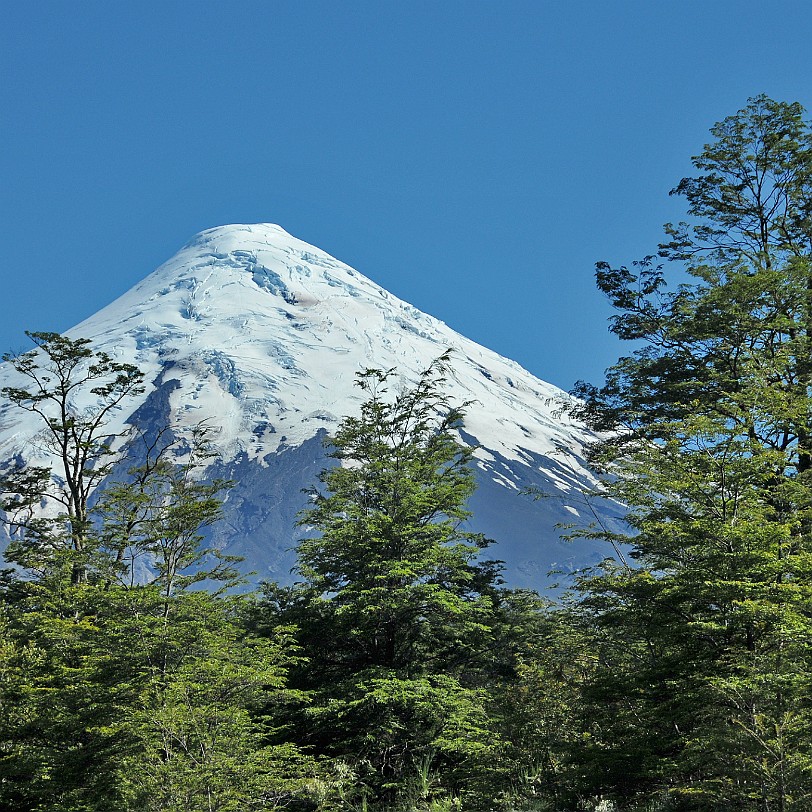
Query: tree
394	613
74	391
542	660
117	694
56	746
198	688
198	680
705	640
158	513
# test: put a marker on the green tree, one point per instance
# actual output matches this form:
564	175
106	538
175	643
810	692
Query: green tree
117	694
74	391
542	659
199	680
200	712
703	692
156	515
56	748
395	615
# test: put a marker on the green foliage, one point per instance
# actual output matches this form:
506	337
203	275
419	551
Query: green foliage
117	695
74	391
201	740
395	615
398	674
123	706
158	513
543	666
58	703
705	660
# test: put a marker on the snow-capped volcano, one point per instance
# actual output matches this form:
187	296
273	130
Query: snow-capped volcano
260	335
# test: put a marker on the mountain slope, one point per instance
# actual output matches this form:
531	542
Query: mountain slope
260	335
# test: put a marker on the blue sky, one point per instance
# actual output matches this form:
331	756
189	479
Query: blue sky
475	158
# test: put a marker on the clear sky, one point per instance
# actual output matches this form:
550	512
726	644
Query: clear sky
475	158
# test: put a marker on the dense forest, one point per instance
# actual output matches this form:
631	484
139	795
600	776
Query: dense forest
399	672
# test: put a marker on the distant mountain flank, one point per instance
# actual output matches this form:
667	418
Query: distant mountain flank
260	335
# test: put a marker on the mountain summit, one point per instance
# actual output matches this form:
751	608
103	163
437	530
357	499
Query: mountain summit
260	335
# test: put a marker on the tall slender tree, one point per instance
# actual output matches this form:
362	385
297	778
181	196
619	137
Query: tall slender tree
74	391
705	639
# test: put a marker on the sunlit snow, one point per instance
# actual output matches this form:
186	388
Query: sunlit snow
264	335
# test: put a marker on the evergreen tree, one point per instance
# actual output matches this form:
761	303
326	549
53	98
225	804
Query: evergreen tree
395	615
704	642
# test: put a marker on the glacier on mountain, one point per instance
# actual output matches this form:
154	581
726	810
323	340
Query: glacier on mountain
260	335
